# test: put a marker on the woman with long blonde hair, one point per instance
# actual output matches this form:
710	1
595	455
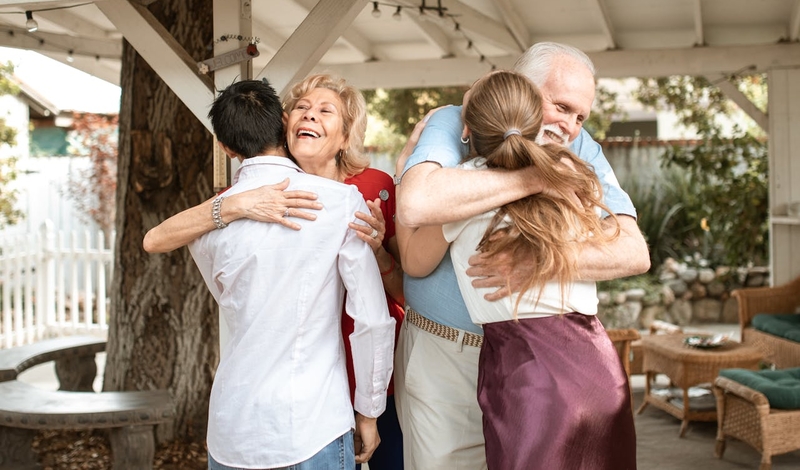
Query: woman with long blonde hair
550	384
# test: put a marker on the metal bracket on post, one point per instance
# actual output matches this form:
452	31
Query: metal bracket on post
221	169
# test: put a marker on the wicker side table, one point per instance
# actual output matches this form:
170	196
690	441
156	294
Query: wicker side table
687	367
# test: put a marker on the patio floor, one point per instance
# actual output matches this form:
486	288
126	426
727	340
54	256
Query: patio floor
658	444
659	447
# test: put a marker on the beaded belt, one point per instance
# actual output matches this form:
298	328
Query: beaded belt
442	331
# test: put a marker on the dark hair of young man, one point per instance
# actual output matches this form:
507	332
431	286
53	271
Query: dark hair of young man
247	118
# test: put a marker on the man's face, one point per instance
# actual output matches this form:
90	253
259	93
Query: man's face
567	95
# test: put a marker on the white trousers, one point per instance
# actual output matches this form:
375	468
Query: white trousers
435	384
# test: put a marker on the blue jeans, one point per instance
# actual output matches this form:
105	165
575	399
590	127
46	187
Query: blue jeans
338	455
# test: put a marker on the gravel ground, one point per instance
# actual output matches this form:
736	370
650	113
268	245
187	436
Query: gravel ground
90	450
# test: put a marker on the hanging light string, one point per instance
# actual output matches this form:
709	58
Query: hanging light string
440	11
32	26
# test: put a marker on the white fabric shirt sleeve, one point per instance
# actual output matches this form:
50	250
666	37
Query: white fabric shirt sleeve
372	340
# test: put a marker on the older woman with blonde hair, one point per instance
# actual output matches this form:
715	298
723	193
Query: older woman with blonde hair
325	121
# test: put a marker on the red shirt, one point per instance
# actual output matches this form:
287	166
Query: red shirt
373	184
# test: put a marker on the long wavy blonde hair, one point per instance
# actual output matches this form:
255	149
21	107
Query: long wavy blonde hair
550	226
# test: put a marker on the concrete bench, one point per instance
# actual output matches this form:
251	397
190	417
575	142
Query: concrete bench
130	416
73	356
26	409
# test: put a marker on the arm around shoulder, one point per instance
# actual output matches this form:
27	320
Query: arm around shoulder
628	255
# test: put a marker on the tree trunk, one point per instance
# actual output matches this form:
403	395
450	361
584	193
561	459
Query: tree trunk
164	329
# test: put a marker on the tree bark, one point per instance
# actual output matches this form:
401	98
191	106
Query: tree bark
163	331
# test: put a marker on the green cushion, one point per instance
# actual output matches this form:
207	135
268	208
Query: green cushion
785	325
781	387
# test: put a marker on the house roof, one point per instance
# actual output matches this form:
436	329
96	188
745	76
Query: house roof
39	105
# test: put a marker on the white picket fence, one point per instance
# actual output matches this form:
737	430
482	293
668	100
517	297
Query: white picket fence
52	284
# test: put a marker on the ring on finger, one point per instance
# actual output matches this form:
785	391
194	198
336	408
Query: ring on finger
286	214
374	233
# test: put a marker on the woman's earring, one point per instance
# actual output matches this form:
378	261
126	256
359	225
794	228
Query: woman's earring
465	140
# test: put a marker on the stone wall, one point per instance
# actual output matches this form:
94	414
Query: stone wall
684	295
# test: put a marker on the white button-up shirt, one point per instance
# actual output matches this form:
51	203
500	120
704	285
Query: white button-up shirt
281	393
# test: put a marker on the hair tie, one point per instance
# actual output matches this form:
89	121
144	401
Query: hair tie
511	132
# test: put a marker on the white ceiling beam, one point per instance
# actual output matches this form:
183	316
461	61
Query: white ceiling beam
415	73
696	61
610	64
75	24
309	42
37	4
433	33
475	23
514	23
267	37
351	37
102	69
699	36
734	94
59	43
601	13
794	22
163	53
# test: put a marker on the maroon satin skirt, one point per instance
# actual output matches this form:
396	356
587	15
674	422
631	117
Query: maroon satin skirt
554	396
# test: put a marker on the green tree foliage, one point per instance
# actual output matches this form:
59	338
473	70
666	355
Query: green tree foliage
726	171
8	197
605	110
403	108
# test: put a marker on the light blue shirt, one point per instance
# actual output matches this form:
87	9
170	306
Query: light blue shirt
437	296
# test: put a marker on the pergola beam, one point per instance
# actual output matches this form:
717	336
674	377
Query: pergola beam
610	64
511	17
309	42
734	94
351	37
699	36
601	13
794	22
163	53
476	23
59	43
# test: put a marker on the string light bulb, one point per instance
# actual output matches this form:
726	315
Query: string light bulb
70	59
376	12
396	14
31	24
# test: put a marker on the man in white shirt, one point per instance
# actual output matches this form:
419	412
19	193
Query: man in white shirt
281	396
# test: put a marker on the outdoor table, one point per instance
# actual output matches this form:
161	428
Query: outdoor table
687	367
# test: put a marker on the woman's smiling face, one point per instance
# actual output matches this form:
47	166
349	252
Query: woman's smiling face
315	127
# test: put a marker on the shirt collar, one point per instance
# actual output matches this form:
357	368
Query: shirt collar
266	160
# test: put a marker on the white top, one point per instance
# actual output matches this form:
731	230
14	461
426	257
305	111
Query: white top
281	393
579	296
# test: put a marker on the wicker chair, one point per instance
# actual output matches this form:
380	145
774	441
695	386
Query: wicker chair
637	354
622	339
745	414
782	352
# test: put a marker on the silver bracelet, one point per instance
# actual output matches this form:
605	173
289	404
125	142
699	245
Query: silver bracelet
216	207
